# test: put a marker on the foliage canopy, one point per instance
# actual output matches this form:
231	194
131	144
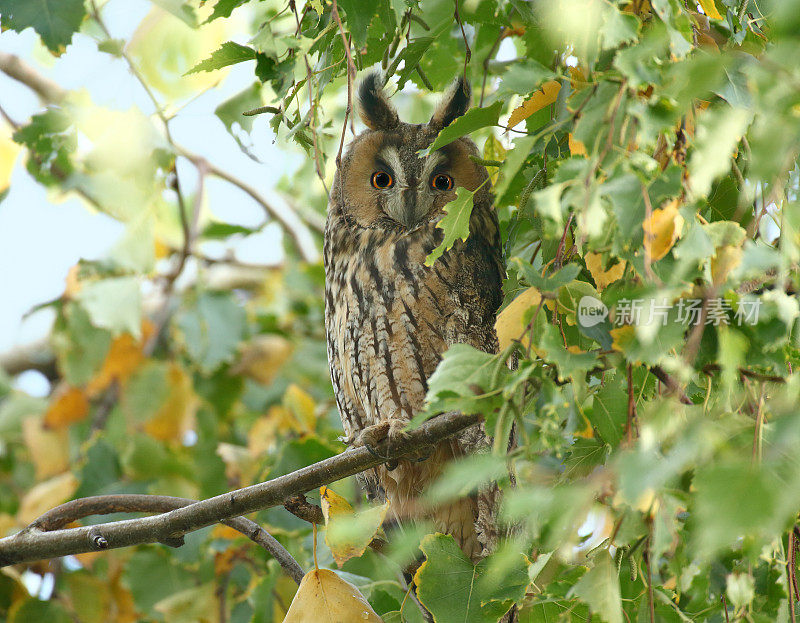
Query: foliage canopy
644	161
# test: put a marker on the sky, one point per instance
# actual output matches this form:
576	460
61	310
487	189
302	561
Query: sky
42	234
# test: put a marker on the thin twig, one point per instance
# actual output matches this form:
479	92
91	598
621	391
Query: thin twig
468	53
55	519
351	76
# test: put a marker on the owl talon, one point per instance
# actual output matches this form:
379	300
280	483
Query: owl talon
374	452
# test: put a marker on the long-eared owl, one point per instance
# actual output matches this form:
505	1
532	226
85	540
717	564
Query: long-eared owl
389	317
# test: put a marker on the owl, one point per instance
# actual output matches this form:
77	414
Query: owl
389	317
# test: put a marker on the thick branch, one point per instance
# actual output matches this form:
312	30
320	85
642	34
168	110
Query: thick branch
30	545
65	514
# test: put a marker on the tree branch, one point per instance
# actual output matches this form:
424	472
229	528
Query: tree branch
35	544
14	67
62	515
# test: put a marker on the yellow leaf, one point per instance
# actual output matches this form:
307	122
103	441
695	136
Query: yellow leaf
348	533
724	261
493	150
174	417
301	405
710	9
662	230
8	157
510	323
262	357
594	262
622	337
49	449
69	404
577	78
46	495
73	284
544	96
124	356
324	597
576	147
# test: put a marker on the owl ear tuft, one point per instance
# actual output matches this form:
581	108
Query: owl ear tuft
376	110
454	104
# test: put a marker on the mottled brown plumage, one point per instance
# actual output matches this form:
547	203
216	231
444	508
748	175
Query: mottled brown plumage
389	317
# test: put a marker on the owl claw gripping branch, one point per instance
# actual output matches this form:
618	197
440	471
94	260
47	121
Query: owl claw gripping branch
389	317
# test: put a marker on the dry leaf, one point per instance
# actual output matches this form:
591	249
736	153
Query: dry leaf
348	533
662	230
49	449
510	323
46	495
576	147
68	405
710	9
544	96
175	416
594	262
622	337
724	261
301	405
262	357
324	597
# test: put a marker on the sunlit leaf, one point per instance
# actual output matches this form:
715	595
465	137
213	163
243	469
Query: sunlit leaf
324	597
546	95
662	230
348	533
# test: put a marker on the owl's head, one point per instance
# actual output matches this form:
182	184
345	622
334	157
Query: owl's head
384	182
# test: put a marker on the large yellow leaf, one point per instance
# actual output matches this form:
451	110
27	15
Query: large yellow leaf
594	262
544	96
45	496
301	405
349	533
175	415
662	230
8	156
49	449
324	597
510	323
710	9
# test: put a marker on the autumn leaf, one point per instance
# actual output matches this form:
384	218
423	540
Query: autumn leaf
710	9
174	417
576	147
301	405
8	156
49	449
45	496
546	95
124	356
594	262
510	323
67	406
726	259
662	230
262	357
349	533
324	597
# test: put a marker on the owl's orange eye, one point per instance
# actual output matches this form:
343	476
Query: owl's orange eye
381	180
442	182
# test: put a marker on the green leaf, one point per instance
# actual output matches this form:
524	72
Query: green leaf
472	120
54	20
230	112
359	14
229	54
462	377
114	304
454	223
599	588
80	346
618	28
609	412
454	590
212	330
550	283
719	130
